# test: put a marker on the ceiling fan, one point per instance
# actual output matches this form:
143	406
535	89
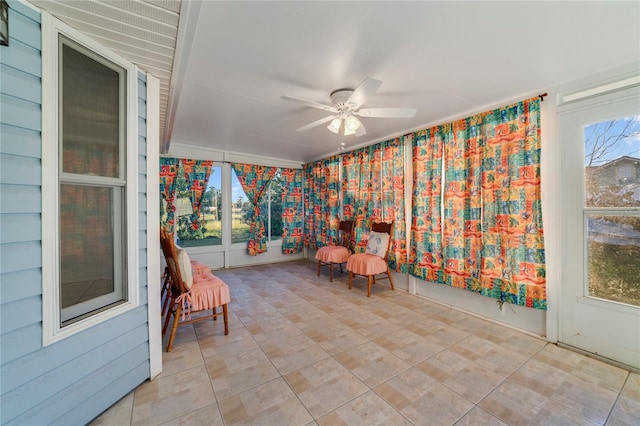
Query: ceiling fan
345	107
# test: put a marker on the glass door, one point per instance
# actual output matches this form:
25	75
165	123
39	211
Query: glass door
600	310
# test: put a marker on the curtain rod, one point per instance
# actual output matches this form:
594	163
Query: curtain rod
542	96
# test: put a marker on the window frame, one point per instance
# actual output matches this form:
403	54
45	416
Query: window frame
53	331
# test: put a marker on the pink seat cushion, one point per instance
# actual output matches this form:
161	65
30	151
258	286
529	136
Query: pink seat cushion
366	264
335	254
207	292
199	268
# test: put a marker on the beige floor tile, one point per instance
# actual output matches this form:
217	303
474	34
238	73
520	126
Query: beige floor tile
293	353
209	415
408	346
215	348
496	358
552	413
368	409
324	386
466	377
600	374
184	356
625	412
371	363
273	329
334	337
272	403
511	339
236	374
437	333
631	388
478	417
118	414
586	398
461	320
172	396
423	400
369	325
513	403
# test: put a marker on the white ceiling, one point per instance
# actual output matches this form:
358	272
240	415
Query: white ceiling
234	60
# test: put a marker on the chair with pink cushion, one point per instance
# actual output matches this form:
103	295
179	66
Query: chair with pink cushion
338	254
191	293
373	262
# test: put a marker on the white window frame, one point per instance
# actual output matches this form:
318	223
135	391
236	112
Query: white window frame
51	320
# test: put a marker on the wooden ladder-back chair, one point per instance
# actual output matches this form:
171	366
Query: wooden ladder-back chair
338	254
374	261
190	293
197	267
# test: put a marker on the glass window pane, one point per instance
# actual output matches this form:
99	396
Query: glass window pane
614	258
241	211
612	163
275	190
210	231
91	115
87	228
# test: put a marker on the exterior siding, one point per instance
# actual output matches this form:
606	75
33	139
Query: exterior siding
74	380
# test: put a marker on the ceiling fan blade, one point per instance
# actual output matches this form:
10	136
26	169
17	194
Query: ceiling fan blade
360	131
316	123
311	104
364	90
386	112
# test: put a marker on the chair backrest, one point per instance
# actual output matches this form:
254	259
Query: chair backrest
386	228
171	257
344	233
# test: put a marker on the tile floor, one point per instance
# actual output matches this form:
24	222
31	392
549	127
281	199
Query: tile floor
304	351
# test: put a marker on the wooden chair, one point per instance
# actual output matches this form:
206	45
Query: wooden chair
189	293
374	261
338	254
197	267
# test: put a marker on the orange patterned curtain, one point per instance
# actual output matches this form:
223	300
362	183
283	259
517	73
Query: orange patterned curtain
321	201
254	180
490	238
393	199
196	175
168	175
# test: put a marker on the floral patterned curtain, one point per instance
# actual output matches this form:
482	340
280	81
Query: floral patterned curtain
425	258
168	174
513	266
196	175
292	219
254	180
321	202
393	200
361	188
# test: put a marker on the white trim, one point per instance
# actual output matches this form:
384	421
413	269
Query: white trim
153	219
622	84
51	330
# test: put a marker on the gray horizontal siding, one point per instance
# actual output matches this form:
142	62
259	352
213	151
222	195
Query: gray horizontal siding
73	380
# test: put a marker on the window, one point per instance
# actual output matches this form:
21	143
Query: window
89	183
210	231
270	209
612	204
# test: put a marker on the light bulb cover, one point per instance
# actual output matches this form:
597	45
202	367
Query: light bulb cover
335	125
351	124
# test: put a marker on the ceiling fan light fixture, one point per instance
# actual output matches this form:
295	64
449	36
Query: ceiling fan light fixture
351	124
335	125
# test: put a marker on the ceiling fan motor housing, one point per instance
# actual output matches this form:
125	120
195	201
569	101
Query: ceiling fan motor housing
340	97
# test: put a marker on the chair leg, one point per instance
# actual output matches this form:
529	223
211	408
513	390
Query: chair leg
168	317
176	319
226	322
390	279
319	264
350	279
331	272
369	285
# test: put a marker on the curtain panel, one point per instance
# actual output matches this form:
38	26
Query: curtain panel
292	209
321	202
393	200
168	175
361	189
490	238
196	176
254	180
